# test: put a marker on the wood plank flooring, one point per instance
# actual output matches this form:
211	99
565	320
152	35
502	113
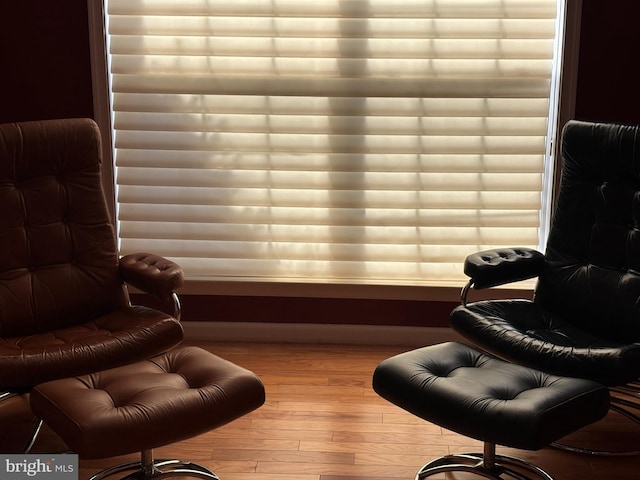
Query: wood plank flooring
323	421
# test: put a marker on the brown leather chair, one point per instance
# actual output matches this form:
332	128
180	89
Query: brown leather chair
64	305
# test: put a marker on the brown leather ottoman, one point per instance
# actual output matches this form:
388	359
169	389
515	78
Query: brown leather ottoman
138	407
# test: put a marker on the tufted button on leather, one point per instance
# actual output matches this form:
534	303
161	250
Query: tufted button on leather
499	402
145	405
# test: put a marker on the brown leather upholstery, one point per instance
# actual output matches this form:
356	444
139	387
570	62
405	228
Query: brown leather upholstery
138	407
63	306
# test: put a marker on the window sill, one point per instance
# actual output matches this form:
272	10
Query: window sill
322	289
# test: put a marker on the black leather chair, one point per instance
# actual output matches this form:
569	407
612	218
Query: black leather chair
64	306
584	318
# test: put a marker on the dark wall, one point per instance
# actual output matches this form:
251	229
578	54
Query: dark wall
269	309
608	88
45	73
45	70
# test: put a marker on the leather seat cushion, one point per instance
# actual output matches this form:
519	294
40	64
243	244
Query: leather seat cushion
482	397
137	407
521	331
126	335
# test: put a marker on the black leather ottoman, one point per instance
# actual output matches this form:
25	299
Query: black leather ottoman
482	397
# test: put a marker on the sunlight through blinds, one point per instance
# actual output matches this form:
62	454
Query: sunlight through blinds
372	141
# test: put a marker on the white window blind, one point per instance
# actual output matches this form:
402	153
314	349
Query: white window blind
372	141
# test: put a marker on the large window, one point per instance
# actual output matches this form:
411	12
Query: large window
337	141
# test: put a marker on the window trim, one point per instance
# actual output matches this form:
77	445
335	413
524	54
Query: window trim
101	101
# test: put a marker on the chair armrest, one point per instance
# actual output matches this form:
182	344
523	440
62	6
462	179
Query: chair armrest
152	274
490	268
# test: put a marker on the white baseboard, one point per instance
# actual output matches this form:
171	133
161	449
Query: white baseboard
315	333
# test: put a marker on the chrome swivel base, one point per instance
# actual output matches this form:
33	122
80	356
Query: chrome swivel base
487	465
625	400
149	469
37	425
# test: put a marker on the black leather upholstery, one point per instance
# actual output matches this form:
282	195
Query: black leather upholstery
584	320
477	395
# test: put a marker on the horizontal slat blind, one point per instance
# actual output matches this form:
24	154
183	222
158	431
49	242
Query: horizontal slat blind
374	141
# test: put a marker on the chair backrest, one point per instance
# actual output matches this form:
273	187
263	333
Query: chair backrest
592	271
58	254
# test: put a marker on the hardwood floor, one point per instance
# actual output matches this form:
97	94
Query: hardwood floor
323	421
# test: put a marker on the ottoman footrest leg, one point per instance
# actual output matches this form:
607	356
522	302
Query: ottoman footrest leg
487	465
149	469
34	436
